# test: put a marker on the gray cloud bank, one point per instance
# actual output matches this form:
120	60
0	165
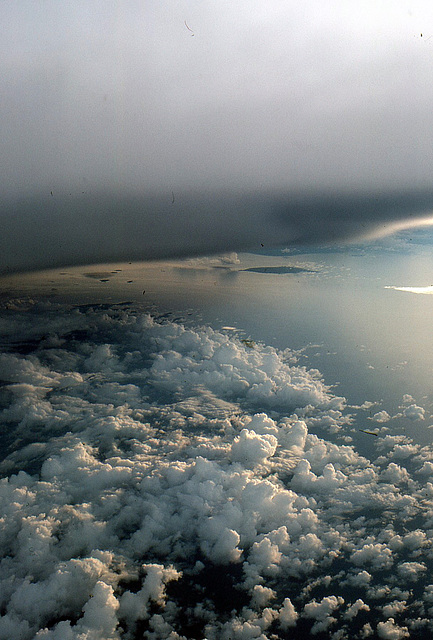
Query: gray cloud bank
63	229
118	110
165	481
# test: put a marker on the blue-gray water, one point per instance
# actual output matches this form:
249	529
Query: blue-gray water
371	341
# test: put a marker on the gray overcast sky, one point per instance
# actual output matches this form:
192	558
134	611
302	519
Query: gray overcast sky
117	108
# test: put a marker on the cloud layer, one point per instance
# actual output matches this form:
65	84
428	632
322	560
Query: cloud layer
165	480
134	132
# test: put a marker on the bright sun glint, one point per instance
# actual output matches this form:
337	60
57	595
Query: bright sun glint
426	290
402	225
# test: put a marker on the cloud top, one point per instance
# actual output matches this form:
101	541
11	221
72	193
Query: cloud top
160	477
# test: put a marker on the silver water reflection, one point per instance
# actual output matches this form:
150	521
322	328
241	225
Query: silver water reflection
344	311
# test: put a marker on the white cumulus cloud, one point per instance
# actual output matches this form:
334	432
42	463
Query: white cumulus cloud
160	478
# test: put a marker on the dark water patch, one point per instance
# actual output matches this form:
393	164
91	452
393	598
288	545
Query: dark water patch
216	584
96	275
279	270
23	347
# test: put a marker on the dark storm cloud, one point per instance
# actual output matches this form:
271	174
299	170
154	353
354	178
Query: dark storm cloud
51	231
229	110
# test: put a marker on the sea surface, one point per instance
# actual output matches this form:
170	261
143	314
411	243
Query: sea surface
342	310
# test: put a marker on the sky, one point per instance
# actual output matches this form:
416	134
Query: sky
140	130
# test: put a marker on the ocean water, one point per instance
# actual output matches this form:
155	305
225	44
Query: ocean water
232	447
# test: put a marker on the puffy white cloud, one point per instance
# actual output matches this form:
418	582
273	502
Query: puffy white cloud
381	416
426	468
379	556
226	260
353	609
415	540
135	606
322	612
219	542
240	630
408	399
411	570
366	631
394	474
262	596
398	447
360	579
147	457
414	412
263	424
288	614
252	449
99	619
393	608
389	630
